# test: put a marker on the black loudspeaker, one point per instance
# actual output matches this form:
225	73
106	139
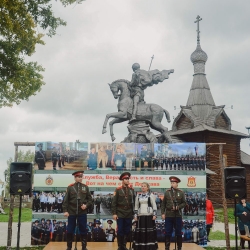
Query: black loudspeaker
235	182
20	178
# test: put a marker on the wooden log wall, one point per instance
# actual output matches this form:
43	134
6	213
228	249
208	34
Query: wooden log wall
184	123
231	151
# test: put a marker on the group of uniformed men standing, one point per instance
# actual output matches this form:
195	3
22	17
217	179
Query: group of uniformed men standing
78	199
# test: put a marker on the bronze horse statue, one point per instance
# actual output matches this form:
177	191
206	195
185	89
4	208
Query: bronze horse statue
150	113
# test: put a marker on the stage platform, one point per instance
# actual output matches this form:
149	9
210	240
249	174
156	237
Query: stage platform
112	246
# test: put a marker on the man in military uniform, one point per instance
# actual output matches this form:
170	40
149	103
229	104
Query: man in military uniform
144	157
98	233
119	159
76	201
173	202
60	231
98	202
35	233
47	231
42	228
92	159
122	209
40	157
110	231
59	159
54	158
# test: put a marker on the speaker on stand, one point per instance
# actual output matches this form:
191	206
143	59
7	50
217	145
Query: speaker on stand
235	188
20	184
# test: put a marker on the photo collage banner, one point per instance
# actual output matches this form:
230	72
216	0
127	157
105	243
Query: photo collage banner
102	164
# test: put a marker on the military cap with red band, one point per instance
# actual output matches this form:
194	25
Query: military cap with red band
78	173
124	176
174	179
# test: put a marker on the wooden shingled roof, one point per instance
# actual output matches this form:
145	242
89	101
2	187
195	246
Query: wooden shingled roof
200	112
245	158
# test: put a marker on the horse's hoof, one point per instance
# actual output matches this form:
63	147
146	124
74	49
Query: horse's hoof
113	138
104	131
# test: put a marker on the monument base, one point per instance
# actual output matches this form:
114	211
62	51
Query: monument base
113	246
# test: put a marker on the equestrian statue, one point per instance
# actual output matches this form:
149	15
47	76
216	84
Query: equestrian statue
132	107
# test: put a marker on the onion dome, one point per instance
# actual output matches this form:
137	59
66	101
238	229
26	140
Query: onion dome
198	56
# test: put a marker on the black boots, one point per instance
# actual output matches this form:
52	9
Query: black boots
242	243
69	241
84	242
179	242
167	242
125	240
120	242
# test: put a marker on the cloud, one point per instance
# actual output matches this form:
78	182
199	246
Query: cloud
100	43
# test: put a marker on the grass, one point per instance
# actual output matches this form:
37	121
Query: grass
220	215
26	215
218	235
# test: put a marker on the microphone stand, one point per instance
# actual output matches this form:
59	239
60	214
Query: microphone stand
77	213
175	205
130	239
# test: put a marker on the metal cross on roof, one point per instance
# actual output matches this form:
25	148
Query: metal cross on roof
198	19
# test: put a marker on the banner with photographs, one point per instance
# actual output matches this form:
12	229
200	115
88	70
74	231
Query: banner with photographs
102	164
120	156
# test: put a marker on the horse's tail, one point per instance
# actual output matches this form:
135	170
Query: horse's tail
167	115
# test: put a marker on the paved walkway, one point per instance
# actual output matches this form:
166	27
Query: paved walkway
26	227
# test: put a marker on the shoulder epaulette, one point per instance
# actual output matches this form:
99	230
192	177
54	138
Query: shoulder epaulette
168	190
119	187
179	189
72	184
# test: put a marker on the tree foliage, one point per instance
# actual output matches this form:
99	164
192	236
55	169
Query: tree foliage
22	156
19	22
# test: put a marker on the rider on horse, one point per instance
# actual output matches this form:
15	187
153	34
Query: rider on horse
141	79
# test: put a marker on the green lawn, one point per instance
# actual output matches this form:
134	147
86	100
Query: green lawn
26	215
220	215
217	235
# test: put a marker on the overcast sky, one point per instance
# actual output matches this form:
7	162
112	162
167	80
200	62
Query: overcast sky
100	43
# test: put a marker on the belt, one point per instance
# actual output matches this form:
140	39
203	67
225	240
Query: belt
124	207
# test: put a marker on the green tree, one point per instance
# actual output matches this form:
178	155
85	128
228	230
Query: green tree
18	39
22	156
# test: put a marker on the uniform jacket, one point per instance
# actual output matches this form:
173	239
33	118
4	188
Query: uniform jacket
70	199
123	202
168	203
40	156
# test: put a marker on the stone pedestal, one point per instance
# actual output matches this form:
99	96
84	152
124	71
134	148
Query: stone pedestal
139	132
